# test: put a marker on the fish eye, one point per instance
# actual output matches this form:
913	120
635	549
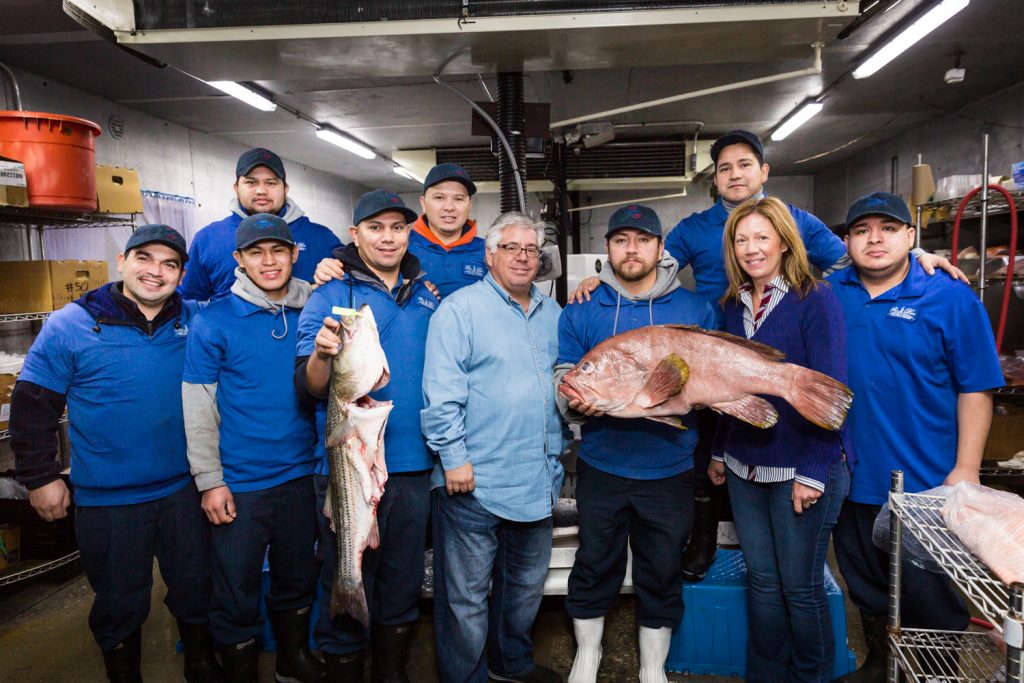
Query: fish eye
586	366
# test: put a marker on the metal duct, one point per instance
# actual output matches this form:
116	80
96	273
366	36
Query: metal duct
511	119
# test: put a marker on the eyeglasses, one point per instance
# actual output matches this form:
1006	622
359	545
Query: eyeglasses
513	249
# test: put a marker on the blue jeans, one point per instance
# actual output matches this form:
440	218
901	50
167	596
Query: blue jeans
790	629
474	549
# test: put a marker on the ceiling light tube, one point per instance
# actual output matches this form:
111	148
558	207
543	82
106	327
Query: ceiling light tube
927	23
250	97
346	143
797	119
406	173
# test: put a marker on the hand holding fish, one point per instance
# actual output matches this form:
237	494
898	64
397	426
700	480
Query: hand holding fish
584	408
716	472
804	497
327	342
460	480
219	505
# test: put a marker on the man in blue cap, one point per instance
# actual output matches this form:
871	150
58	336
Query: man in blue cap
443	238
382	273
625	494
921	370
251	447
114	357
260	187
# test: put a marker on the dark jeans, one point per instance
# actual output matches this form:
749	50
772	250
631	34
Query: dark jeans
117	544
474	550
281	518
928	600
654	517
392	574
790	628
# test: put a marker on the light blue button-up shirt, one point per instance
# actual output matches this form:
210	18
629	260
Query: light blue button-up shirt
490	400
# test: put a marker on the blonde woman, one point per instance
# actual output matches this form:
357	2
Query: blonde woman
787	483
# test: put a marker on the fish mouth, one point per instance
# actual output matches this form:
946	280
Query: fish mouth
569	392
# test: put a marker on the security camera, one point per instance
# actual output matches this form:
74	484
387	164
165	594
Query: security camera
955	75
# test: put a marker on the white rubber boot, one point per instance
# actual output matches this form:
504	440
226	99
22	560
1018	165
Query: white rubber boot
588	649
654	644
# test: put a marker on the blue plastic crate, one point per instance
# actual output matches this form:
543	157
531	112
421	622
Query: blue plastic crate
712	638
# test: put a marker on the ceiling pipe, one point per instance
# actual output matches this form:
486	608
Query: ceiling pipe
810	71
12	86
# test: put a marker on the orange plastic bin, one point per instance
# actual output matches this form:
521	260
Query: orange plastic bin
59	154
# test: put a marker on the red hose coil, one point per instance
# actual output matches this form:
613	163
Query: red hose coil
1008	286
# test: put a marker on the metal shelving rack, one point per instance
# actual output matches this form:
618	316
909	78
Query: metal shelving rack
944	656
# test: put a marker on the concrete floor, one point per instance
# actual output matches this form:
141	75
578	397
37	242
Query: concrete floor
44	637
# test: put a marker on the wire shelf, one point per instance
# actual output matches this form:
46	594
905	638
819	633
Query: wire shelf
944	656
13	216
1010	391
991	468
922	516
37	569
23	317
996	205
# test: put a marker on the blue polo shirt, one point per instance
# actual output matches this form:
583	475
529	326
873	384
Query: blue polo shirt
452	268
697	241
633	448
210	270
123	389
266	436
403	336
912	351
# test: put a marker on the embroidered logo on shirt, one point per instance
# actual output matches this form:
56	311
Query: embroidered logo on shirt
903	313
473	270
301	246
426	303
181	331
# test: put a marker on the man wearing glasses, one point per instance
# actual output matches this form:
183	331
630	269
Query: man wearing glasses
490	417
640	495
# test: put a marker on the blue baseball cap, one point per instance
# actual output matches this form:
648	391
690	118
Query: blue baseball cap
449	171
379	201
259	157
878	204
737	136
635	216
262	226
161	234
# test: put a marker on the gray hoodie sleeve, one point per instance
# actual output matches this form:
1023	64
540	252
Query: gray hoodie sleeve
202	432
568	414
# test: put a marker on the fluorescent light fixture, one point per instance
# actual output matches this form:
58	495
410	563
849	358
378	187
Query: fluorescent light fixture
928	22
406	173
345	143
250	97
799	118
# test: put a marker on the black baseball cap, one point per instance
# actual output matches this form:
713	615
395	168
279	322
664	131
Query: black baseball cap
449	171
379	201
262	226
733	137
635	216
259	157
161	234
878	204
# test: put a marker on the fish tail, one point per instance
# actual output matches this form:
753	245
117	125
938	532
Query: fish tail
348	597
820	398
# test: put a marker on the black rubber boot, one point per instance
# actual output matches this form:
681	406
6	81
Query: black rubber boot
700	551
873	669
346	668
124	660
200	662
295	663
241	662
391	652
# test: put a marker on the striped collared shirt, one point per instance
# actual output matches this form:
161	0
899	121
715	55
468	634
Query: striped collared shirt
752	321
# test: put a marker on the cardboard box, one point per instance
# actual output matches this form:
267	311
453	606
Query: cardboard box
13	183
6	389
10	545
117	190
1006	437
35	286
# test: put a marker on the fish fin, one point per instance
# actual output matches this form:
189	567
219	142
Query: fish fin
666	381
765	351
373	537
348	597
751	409
668	420
821	399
